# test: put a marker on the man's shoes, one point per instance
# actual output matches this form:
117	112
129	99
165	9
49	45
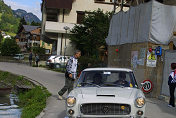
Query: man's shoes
60	97
170	105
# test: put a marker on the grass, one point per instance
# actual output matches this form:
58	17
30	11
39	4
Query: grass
10	80
33	102
11	34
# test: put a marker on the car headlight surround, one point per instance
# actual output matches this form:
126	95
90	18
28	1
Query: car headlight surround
71	101
140	102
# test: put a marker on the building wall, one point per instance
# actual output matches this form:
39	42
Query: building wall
86	5
70	16
121	56
46	46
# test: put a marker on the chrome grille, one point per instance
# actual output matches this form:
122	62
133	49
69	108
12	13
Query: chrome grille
105	109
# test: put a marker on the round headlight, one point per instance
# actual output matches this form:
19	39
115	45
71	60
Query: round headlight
140	102
71	101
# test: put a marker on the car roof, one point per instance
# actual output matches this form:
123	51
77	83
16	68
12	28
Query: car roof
108	68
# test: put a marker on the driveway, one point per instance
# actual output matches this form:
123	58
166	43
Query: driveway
54	81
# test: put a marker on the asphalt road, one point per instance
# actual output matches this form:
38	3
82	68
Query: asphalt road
54	81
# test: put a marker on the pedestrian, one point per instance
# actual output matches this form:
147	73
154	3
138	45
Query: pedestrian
70	74
172	85
30	58
37	59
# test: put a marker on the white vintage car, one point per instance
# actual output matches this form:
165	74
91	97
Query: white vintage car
106	93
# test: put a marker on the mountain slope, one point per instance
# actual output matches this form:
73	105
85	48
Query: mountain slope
29	17
8	22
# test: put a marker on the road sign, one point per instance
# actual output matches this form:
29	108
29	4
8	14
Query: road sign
147	87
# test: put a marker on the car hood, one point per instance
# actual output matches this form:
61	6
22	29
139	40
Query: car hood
94	92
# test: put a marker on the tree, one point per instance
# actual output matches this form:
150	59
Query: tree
1	37
38	50
33	23
9	47
22	22
89	36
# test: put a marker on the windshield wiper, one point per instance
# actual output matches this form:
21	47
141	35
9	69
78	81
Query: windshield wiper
90	84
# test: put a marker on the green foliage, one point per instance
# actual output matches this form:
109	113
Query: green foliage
38	50
91	33
21	23
8	22
33	102
10	80
35	24
1	37
93	61
9	47
4	8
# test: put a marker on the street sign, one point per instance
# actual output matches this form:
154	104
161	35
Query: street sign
147	87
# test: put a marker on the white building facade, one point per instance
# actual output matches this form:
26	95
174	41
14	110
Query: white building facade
57	14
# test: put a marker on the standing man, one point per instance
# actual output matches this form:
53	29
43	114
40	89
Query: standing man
30	58
70	73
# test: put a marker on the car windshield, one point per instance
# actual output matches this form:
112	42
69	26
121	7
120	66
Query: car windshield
107	79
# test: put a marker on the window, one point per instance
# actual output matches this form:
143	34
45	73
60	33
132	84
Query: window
80	16
52	15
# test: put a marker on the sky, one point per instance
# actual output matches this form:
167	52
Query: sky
27	5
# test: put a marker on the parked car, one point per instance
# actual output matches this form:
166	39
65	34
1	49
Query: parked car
19	56
106	92
57	60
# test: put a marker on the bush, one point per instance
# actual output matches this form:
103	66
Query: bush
9	47
38	50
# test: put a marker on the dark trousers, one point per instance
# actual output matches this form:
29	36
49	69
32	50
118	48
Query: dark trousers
30	62
37	63
172	90
68	86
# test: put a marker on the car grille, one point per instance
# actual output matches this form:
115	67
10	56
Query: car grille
105	109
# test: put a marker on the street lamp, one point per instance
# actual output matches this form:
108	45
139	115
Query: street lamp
66	28
115	2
